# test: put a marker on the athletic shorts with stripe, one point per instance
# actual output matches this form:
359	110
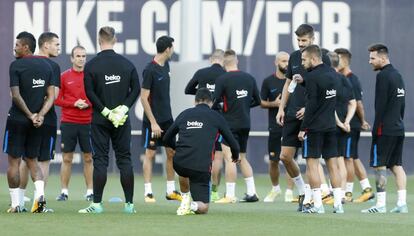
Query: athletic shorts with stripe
386	151
47	148
317	144
152	143
290	131
22	139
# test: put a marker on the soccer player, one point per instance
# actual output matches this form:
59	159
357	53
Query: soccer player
318	129
388	130
270	94
344	111
49	46
32	97
206	78
238	92
198	130
112	86
155	98
75	122
353	164
293	98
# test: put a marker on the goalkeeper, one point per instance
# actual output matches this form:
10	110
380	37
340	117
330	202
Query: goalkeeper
112	86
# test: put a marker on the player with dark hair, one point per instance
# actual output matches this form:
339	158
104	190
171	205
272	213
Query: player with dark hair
155	98
32	97
318	129
75	123
353	164
293	98
49	46
198	129
388	130
112	86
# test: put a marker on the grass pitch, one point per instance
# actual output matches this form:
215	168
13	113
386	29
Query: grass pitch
277	218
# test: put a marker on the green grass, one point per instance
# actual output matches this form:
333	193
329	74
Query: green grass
277	218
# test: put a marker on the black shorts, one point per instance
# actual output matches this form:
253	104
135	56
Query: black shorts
152	143
72	134
47	148
352	144
274	145
317	144
22	139
290	132
343	138
217	145
386	151
199	182
241	135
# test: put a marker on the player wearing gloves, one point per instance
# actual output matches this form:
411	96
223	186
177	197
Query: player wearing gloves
112	86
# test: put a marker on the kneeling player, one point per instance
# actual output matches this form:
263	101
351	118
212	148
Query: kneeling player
198	130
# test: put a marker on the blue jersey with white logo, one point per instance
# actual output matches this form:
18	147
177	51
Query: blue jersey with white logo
32	75
157	80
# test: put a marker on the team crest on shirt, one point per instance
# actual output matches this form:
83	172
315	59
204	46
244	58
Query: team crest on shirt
38	83
241	93
400	92
194	125
110	79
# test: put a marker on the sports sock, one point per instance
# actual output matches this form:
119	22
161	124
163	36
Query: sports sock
317	197
147	189
365	184
349	187
170	187
402	197
14	195
308	194
89	191
337	192
325	188
194	206
276	188
21	196
230	189
300	184
39	188
65	191
381	199
251	188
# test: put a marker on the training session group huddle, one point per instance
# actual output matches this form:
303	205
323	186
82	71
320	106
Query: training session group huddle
314	103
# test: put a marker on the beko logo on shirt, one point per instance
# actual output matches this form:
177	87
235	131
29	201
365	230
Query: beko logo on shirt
38	83
110	79
211	87
400	92
194	125
330	93
241	93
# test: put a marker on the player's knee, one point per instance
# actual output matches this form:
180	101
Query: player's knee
123	163
67	160
285	158
87	159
